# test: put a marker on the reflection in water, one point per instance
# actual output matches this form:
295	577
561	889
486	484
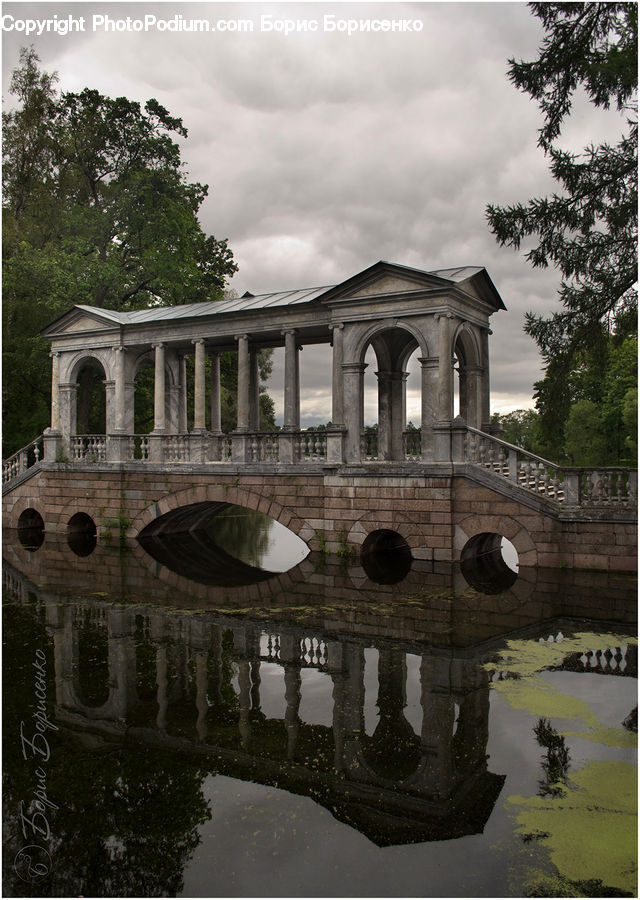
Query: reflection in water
221	544
484	566
386	557
269	684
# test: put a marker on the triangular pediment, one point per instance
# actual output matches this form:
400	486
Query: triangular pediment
392	284
385	279
81	320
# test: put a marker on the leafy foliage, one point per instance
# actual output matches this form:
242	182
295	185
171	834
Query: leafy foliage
588	230
97	210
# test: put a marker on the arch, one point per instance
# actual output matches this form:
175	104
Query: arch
506	526
225	494
467	351
387	325
393	343
465	337
74	363
400	523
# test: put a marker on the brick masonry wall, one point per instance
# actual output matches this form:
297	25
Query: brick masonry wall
435	515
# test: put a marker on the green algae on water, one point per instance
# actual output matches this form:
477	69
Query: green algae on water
590	831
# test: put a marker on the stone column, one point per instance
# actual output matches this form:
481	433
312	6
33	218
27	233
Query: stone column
474	396
254	392
117	438
291	410
429	404
288	437
55	391
337	387
385	415
243	382
67	395
182	401
485	409
159	410
353	379
240	439
445	369
398	413
119	388
51	438
216	418
199	422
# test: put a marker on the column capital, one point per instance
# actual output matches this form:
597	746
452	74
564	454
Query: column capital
197	341
117	348
285	331
55	354
336	326
354	367
443	315
428	362
240	337
159	345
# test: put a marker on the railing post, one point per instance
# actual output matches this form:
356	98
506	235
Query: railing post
52	444
198	442
571	487
287	446
442	442
117	447
458	434
239	446
156	447
334	443
513	466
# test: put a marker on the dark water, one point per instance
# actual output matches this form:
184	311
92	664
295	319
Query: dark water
177	724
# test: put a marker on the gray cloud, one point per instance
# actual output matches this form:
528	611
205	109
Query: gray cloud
325	153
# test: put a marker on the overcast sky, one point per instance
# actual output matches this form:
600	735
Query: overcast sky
327	151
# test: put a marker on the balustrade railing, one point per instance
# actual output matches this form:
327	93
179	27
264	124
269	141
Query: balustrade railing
263	447
566	486
312	446
139	446
175	447
23	460
91	447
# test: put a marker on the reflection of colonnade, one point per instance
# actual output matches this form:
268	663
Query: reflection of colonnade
194	678
443	315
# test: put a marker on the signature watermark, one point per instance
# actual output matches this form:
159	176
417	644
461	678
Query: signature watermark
33	862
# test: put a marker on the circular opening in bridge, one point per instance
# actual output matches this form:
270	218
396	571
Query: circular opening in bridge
385	556
489	563
82	534
31	529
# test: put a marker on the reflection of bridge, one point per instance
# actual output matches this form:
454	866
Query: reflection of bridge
438	487
231	689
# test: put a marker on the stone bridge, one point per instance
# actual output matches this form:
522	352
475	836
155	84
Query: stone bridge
450	489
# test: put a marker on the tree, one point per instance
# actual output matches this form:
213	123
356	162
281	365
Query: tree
519	427
588	230
97	210
584	441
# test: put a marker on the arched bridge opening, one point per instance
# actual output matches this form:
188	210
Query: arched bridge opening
221	544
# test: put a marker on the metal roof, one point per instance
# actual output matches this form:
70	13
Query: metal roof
212	307
260	301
